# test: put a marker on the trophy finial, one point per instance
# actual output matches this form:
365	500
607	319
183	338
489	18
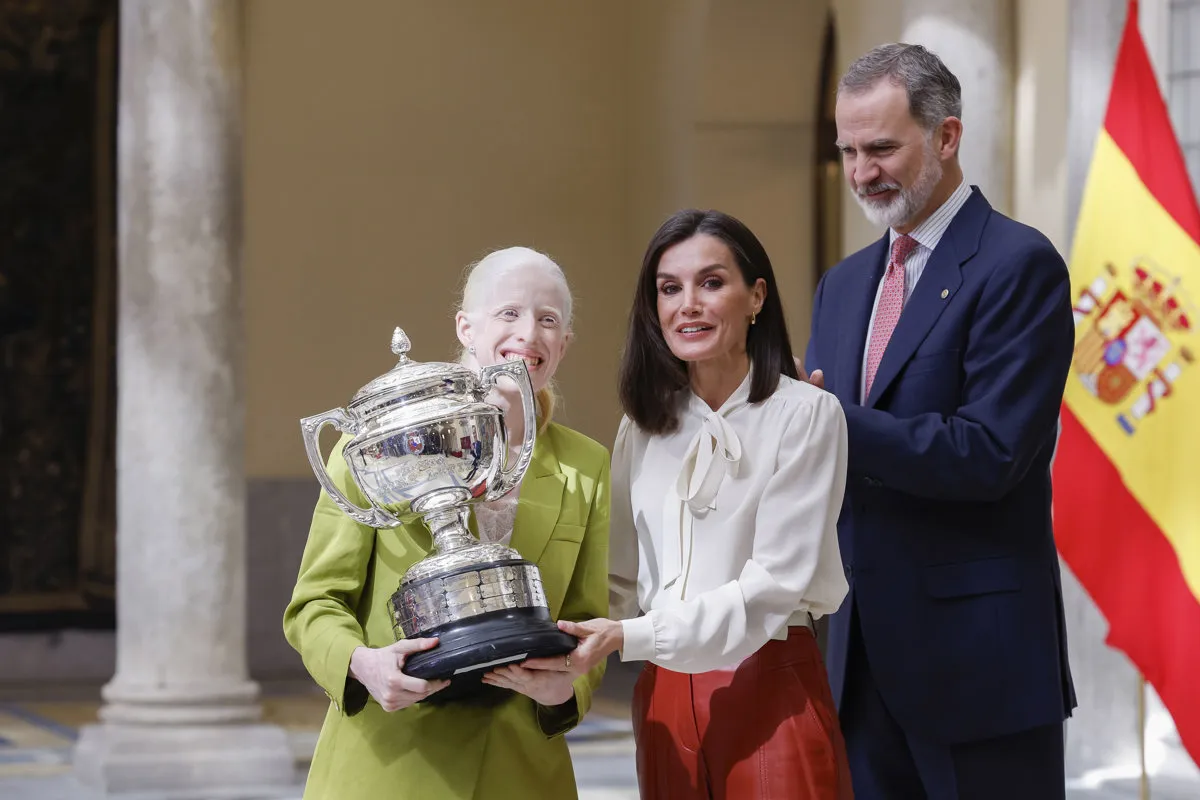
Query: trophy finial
400	343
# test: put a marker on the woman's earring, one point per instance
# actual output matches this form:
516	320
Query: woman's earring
471	349
753	316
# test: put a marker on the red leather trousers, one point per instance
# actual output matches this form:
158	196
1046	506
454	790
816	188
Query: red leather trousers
766	730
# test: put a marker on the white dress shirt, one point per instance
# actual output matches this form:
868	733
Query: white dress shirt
927	234
726	530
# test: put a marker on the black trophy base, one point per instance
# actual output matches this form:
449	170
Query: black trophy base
470	648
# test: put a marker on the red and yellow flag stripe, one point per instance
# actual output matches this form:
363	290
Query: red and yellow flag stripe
1126	483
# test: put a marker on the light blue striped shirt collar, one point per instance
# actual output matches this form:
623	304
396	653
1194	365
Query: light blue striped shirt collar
930	232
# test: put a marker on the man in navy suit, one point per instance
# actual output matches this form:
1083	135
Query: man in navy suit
948	343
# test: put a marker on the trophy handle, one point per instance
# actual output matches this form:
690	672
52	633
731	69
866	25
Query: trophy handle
373	517
507	480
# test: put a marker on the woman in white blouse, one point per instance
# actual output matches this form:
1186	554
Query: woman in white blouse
727	477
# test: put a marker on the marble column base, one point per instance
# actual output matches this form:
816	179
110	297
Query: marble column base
194	762
181	704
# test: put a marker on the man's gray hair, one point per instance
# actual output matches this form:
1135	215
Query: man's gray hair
933	91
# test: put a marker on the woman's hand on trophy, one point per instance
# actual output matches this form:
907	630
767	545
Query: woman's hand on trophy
597	638
549	688
380	670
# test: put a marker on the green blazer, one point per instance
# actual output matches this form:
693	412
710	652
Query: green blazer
513	750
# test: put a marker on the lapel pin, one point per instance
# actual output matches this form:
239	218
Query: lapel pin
945	293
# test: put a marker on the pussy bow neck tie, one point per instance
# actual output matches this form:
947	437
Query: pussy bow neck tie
713	454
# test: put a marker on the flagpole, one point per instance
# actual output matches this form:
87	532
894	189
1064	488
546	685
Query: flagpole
1144	781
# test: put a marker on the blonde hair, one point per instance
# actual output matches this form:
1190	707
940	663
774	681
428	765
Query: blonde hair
489	271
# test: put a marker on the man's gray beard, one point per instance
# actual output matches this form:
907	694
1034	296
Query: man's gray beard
910	201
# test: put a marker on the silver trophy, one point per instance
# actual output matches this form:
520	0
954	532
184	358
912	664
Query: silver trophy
426	445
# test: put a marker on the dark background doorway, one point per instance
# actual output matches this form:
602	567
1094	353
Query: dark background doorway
58	105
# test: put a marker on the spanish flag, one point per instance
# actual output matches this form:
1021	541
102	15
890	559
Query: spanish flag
1127	470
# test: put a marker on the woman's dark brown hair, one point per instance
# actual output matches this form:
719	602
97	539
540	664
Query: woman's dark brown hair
651	375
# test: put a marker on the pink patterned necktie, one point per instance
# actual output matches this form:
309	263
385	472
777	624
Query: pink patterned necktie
891	303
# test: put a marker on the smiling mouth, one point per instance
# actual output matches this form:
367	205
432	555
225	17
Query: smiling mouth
690	329
531	361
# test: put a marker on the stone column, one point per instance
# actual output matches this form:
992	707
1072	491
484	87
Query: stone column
975	40
181	714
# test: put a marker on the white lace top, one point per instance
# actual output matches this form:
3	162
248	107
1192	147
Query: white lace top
495	519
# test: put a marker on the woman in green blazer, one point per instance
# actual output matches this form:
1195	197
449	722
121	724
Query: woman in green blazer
376	742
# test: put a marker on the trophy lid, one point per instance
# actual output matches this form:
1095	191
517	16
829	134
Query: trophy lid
410	380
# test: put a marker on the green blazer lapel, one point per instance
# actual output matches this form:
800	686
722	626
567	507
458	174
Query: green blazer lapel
540	501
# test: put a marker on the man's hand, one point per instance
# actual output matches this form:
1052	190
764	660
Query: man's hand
380	670
817	379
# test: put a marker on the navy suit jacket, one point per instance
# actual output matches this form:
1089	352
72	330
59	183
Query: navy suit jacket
946	531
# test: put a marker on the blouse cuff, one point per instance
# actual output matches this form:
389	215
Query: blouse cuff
640	643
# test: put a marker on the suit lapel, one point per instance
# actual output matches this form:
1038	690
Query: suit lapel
934	291
853	337
540	501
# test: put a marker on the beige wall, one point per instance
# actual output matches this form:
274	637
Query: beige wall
390	143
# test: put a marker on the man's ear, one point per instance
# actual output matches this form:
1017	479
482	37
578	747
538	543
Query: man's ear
949	137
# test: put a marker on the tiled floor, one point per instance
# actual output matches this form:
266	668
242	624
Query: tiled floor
36	741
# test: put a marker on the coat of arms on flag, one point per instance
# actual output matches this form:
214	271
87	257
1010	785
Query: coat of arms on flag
1134	344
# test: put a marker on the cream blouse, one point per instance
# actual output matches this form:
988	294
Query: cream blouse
726	530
